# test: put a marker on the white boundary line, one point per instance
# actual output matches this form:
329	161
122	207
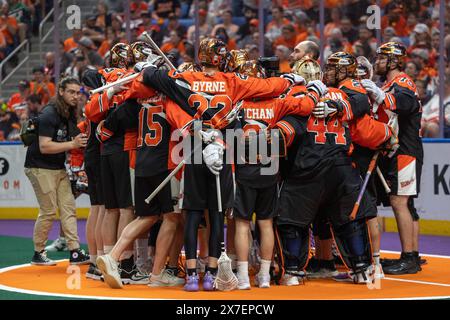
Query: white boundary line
418	281
6	269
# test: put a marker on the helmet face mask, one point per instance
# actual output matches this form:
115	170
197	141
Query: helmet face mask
121	56
308	68
212	53
381	64
394	53
339	66
234	59
252	68
140	51
188	66
329	75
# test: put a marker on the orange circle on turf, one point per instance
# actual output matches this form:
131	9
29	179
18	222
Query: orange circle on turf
70	281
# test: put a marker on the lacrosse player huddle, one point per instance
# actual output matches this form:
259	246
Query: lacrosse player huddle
274	157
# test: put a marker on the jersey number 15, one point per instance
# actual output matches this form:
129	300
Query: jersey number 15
150	130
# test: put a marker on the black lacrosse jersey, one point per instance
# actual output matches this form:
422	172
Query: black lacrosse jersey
122	123
92	150
154	132
360	104
317	145
258	116
402	99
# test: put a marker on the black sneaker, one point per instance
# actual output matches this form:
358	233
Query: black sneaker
130	274
134	276
78	256
406	265
419	261
93	272
174	270
41	259
388	262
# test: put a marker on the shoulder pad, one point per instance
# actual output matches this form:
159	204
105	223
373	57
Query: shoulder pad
353	85
405	81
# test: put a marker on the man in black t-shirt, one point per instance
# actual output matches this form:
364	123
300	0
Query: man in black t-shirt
45	168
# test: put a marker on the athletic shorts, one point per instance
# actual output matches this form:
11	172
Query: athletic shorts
249	200
332	193
95	188
198	188
403	174
116	180
161	203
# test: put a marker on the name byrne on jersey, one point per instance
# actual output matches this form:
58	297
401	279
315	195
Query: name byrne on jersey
209	86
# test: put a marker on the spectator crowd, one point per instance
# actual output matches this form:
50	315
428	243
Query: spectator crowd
415	23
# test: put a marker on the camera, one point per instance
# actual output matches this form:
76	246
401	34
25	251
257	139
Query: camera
271	65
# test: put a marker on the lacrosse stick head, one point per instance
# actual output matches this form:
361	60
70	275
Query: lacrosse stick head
225	279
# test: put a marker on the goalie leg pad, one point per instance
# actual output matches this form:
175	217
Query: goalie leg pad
295	245
353	242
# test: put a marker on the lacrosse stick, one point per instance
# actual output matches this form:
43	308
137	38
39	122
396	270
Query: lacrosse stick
135	75
225	280
383	181
158	50
372	164
122	81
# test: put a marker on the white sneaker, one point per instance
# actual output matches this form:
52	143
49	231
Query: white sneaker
243	282
263	280
367	277
165	279
110	270
59	244
289	280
